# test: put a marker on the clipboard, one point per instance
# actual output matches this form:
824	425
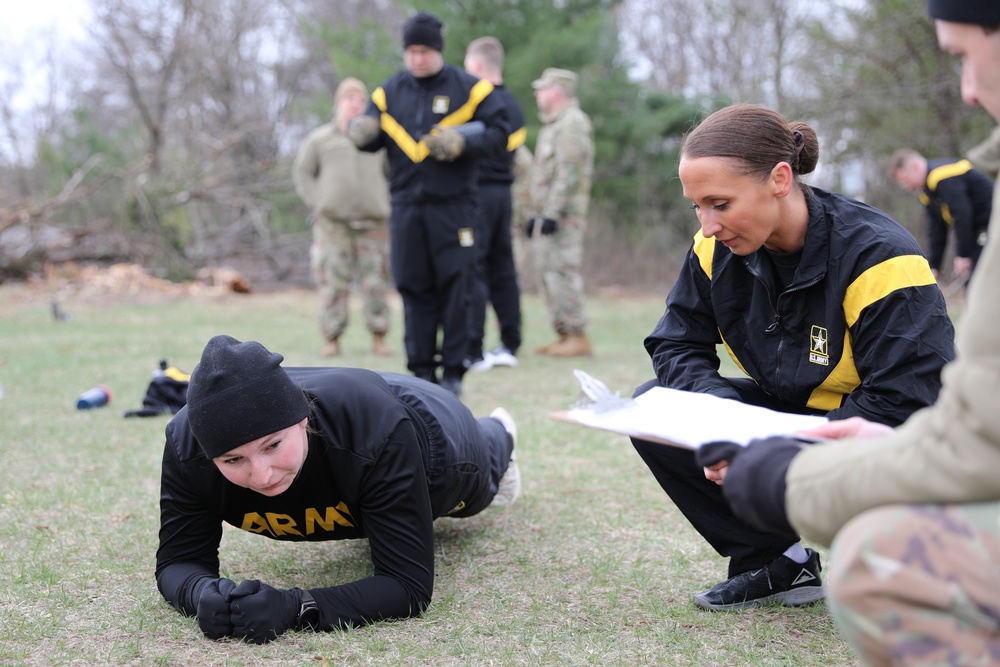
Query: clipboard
681	418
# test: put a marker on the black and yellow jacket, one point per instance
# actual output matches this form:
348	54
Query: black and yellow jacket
862	328
408	108
500	169
956	196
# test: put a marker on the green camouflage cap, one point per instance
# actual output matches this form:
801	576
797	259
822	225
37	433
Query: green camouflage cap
553	76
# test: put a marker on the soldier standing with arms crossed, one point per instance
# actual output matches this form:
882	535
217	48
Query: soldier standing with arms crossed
560	195
349	197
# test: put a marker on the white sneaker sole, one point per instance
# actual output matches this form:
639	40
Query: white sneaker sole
798	597
509	487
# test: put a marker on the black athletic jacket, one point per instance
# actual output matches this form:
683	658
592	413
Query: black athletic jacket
377	468
959	197
408	108
862	329
500	169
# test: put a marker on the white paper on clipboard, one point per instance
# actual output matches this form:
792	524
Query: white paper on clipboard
681	418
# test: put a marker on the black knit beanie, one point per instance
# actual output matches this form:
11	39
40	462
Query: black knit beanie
423	29
239	392
976	12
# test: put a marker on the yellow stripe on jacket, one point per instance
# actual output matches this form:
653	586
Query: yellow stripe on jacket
416	149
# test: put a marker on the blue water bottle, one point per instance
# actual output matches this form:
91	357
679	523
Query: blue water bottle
93	398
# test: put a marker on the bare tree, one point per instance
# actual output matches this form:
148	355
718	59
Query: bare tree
736	49
143	42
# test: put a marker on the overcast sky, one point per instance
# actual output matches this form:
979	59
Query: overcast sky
28	27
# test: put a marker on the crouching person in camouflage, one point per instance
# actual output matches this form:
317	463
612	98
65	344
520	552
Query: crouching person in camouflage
349	196
914	577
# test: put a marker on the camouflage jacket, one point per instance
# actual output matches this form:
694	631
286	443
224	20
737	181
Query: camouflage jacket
946	453
564	166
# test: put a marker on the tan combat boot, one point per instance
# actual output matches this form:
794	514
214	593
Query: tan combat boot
544	349
575	345
378	345
332	348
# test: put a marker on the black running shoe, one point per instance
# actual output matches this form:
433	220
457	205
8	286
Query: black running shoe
782	581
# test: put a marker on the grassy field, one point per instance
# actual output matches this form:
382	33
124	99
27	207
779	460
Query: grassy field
592	566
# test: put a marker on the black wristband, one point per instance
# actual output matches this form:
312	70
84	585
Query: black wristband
308	612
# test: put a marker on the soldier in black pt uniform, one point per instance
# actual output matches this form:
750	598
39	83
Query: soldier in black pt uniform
435	121
314	454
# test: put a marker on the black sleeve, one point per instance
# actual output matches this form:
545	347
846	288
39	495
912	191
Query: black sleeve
397	518
378	141
954	192
190	534
937	237
683	344
492	142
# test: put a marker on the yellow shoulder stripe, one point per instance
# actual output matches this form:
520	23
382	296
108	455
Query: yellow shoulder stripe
732	356
464	113
882	279
947	171
177	375
704	250
517	139
876	283
417	150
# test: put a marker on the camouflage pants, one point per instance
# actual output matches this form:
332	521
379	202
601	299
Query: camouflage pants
341	252
920	584
558	258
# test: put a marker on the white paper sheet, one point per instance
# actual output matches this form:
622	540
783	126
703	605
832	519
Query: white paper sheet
689	419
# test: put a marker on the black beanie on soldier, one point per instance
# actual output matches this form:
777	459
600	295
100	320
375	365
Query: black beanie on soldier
423	29
976	12
238	393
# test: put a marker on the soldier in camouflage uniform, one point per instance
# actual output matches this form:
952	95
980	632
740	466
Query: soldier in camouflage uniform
560	194
349	197
918	584
915	570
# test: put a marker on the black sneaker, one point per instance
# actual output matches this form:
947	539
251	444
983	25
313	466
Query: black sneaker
782	581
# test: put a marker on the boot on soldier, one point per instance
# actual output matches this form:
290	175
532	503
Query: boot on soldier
378	344
332	348
545	349
574	345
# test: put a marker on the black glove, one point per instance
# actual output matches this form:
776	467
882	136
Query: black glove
261	613
755	480
549	226
214	617
363	129
529	227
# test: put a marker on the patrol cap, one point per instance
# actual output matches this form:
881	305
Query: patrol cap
349	85
553	76
977	12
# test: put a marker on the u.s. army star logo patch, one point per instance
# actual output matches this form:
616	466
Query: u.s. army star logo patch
819	352
441	104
